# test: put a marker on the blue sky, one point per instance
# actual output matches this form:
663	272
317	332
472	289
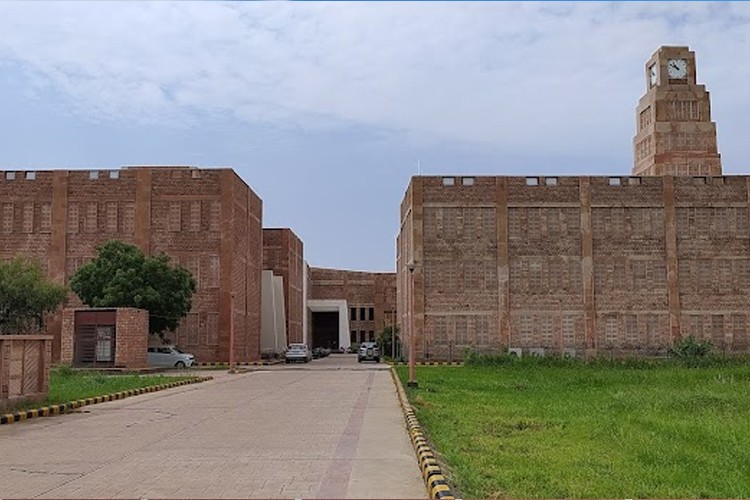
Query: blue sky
327	109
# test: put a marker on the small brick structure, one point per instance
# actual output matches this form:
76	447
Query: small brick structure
24	368
130	335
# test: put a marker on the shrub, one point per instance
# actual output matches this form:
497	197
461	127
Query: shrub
691	351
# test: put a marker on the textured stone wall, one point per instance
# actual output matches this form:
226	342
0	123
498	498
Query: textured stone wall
24	368
207	220
583	265
283	254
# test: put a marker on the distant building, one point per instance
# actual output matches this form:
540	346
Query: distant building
207	220
348	307
588	266
283	255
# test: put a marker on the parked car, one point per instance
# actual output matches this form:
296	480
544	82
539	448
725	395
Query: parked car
317	352
368	351
169	355
298	352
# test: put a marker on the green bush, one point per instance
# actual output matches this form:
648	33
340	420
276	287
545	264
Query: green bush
692	351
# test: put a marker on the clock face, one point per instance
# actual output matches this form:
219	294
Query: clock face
652	75
677	68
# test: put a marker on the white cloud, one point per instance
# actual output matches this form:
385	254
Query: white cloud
515	75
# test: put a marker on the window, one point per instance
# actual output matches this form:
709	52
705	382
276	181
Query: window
93	175
467	181
449	181
371	336
614	181
362	314
353	336
114	174
10	176
30	176
550	181
362	336
699	180
352	314
371	314
532	181
634	181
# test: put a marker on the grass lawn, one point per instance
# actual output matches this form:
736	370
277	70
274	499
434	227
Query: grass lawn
68	385
530	430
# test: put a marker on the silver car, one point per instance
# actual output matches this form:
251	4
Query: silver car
368	351
169	355
298	352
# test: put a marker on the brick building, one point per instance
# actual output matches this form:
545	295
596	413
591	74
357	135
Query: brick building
621	265
208	220
349	306
283	254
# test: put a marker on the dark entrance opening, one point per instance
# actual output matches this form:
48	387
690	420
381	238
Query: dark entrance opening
94	341
325	330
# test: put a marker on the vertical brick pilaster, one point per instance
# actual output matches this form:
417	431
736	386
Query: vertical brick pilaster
670	235
417	277
143	210
226	258
587	266
503	261
57	251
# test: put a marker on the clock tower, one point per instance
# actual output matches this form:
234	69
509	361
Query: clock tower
675	134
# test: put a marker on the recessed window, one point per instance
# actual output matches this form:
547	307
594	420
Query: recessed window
467	181
371	314
352	314
30	176
449	181
615	181
717	181
550	181
532	181
634	181
94	174
114	174
699	180
10	176
362	314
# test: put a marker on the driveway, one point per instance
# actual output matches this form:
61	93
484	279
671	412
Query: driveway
328	429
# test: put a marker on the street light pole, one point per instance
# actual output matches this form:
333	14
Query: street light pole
412	330
231	334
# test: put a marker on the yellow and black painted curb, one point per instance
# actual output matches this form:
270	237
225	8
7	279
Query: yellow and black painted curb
437	484
224	364
47	411
434	363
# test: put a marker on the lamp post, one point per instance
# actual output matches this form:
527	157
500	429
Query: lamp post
412	329
231	334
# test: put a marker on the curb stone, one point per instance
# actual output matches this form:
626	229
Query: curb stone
437	484
223	364
59	409
433	363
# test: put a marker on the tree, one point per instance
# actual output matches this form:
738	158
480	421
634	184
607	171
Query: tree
122	276
385	340
26	295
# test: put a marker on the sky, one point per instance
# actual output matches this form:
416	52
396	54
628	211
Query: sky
327	109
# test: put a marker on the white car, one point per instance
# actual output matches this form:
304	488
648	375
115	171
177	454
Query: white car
169	355
298	352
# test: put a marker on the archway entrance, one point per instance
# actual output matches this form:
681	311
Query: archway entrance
325	329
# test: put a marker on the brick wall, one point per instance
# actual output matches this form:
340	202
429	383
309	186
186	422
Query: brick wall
24	368
586	265
363	291
131	347
283	254
207	220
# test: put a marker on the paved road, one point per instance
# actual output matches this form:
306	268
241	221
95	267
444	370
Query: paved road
330	429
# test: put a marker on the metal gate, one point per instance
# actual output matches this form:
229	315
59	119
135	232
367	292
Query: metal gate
95	338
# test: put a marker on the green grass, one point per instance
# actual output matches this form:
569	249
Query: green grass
69	385
535	430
